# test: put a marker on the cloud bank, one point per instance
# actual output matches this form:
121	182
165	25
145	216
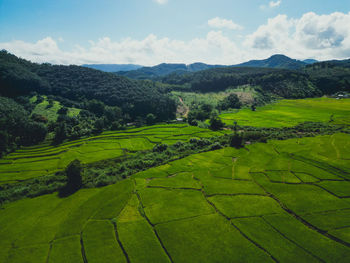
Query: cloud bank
311	36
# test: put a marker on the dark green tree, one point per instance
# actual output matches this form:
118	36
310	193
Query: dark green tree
215	123
230	102
60	133
74	178
150	119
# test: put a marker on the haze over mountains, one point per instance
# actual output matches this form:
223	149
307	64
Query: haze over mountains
113	67
139	72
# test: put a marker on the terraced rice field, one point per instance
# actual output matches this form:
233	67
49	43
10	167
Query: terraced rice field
44	159
283	201
288	113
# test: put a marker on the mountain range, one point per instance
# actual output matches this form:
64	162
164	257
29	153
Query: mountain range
161	70
112	67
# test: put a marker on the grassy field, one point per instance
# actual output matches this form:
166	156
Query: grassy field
44	159
246	95
288	113
283	201
50	113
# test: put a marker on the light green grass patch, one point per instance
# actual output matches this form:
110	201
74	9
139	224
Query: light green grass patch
271	240
339	188
66	250
31	254
288	113
329	220
191	240
245	205
282	177
180	180
315	243
100	243
303	198
163	205
138	239
213	185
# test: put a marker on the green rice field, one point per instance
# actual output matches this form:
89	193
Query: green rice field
282	201
288	113
44	159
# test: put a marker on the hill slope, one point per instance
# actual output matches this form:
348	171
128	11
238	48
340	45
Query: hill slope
165	69
275	61
281	82
112	67
20	77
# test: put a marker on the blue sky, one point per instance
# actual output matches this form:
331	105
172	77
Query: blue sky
153	31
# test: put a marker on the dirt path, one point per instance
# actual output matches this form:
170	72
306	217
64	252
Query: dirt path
183	110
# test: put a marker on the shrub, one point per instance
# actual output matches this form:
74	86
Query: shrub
236	140
160	148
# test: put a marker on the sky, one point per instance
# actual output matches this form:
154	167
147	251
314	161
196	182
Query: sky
150	32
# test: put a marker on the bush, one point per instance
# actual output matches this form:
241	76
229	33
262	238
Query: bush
236	140
160	148
150	119
216	123
74	179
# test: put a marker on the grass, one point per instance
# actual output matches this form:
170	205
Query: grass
66	250
45	159
315	243
288	113
50	112
137	236
208	238
281	248
227	205
180	180
329	220
246	94
245	205
100	243
163	205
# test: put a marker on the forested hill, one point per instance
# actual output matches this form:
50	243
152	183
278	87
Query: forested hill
275	61
112	67
165	69
20	77
284	83
330	76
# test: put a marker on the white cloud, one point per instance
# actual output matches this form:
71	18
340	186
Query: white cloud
319	36
218	22
215	47
161	2
311	36
273	4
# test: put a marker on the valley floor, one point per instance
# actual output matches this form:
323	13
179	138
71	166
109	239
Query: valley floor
283	201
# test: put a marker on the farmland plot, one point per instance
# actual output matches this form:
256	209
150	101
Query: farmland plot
283	201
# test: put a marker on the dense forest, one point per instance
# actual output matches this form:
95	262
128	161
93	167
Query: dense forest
16	126
20	77
284	83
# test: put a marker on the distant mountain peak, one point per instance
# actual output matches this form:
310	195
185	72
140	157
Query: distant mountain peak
275	61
